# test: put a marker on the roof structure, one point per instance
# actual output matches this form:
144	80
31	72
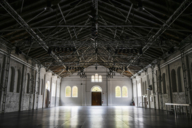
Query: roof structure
124	34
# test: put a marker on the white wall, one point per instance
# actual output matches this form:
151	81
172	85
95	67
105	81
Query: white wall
84	87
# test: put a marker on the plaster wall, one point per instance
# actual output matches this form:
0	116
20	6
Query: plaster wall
85	85
158	96
19	99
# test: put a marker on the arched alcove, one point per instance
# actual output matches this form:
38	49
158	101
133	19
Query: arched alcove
96	95
164	84
179	79
12	82
28	82
18	80
173	80
42	87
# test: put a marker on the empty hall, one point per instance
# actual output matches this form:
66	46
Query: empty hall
95	63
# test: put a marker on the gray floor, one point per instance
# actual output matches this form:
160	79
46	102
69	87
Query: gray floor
93	117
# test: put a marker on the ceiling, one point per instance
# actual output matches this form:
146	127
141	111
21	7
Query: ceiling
124	34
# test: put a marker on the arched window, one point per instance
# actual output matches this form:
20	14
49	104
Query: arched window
68	91
164	84
18	80
28	82
42	87
118	91
53	89
124	91
96	89
173	80
74	91
179	79
12	82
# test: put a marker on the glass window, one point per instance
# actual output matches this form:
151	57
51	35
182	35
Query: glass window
118	91
53	89
124	91
92	78
100	78
96	78
96	89
75	91
68	91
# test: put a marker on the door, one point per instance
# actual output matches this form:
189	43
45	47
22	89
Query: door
96	98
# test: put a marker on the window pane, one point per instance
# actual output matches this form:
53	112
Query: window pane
100	78
92	79
124	92
117	91
96	78
75	92
68	91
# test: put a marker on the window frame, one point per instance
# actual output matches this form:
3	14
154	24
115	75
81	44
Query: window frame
96	91
100	78
120	92
92	78
69	91
72	92
97	77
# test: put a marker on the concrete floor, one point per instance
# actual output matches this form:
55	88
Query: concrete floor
93	117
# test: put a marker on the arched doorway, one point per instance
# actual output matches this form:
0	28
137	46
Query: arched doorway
96	95
47	94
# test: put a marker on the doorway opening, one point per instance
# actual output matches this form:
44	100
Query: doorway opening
47	94
96	96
